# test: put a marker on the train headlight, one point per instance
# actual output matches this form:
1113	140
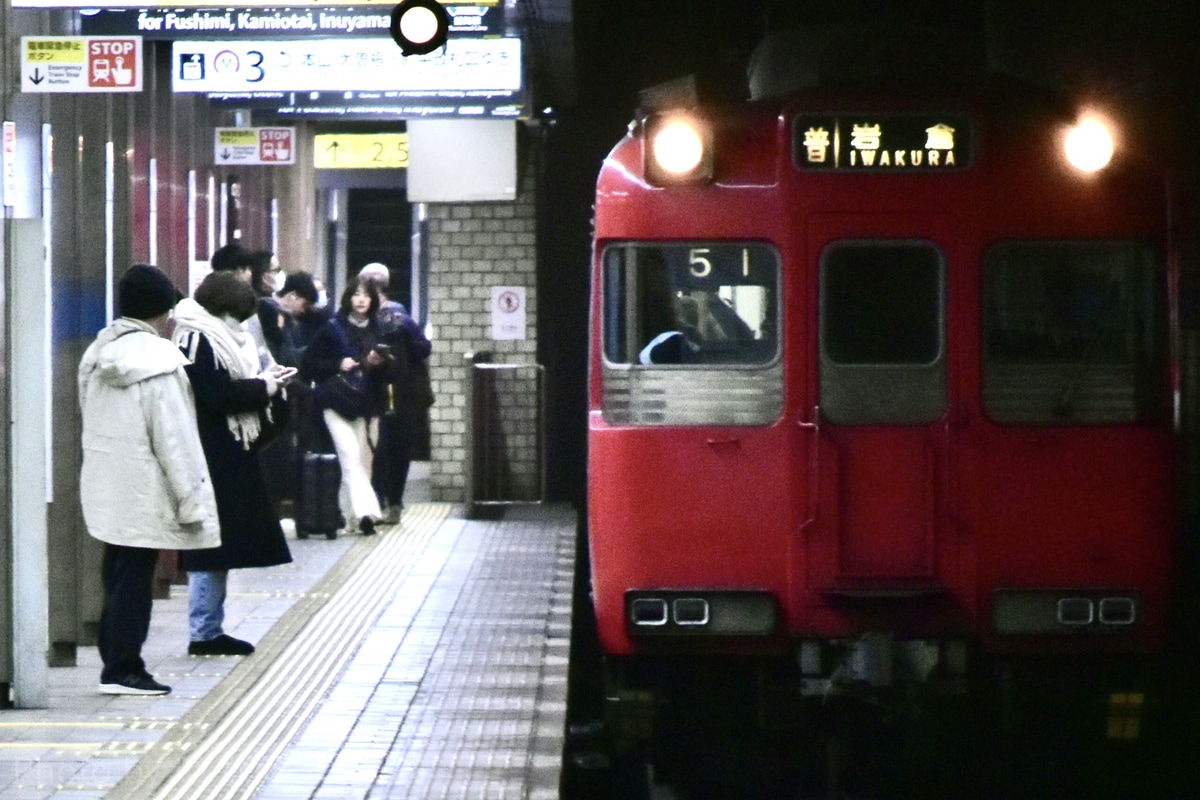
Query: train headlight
678	150
1089	145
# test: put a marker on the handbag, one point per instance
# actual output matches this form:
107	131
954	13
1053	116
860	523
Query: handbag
348	392
345	394
422	387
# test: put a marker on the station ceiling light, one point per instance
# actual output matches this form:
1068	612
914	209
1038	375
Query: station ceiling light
419	26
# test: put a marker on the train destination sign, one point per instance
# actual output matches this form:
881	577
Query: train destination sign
881	142
173	24
81	64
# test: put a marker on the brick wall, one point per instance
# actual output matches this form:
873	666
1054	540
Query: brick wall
473	247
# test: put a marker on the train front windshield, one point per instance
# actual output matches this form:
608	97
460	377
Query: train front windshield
691	303
1074	333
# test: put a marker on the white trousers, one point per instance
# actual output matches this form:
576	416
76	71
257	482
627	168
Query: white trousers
356	498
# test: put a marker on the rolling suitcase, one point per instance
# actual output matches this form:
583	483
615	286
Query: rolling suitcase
317	505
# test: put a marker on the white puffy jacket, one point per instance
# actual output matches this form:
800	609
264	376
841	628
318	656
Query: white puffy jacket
144	481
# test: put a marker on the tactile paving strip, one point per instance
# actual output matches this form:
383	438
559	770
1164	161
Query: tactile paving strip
252	715
438	669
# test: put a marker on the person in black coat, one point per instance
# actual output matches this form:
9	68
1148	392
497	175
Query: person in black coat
404	408
236	405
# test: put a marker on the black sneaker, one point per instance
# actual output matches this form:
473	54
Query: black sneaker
223	645
135	684
367	526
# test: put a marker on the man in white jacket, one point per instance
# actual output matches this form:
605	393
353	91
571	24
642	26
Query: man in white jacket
144	485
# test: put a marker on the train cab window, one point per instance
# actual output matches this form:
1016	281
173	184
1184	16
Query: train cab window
882	341
1074	333
691	304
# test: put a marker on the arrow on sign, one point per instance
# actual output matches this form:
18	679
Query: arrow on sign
225	153
334	147
37	77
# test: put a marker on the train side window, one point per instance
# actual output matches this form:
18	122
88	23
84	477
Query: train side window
1074	333
882	332
691	304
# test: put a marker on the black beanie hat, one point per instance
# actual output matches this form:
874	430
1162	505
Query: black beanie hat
146	292
302	284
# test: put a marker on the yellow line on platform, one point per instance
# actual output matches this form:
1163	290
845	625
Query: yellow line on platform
62	724
62	745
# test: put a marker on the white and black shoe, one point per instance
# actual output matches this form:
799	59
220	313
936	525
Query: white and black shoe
134	684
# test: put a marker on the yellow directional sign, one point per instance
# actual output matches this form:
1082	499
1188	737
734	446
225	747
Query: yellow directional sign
360	151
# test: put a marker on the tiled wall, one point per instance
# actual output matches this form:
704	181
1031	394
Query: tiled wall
473	247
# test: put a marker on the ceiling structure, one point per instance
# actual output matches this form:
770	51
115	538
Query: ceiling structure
603	51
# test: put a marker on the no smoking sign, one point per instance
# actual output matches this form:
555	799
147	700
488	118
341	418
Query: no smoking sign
508	312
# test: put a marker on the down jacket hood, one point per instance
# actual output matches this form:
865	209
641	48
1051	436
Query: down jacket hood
122	360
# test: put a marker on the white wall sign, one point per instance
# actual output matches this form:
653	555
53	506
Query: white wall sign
10	163
508	313
254	146
461	161
324	65
81	64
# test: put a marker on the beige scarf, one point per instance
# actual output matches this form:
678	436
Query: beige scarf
234	351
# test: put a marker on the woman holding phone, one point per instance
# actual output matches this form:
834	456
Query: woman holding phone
238	404
351	344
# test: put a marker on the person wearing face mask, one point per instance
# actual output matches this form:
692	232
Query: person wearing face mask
267	325
237	403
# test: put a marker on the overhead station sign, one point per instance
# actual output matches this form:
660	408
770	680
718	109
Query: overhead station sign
389	4
81	64
175	23
322	65
360	151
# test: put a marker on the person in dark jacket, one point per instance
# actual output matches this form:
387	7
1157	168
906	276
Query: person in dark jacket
235	413
350	341
402	412
144	484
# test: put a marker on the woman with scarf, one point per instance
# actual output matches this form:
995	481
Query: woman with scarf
236	405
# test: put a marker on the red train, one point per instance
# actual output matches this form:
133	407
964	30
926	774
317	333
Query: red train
882	399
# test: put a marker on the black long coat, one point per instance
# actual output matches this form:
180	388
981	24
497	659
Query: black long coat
250	532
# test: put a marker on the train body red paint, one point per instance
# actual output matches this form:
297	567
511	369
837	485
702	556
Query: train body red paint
889	422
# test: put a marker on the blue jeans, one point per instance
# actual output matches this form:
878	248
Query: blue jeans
206	604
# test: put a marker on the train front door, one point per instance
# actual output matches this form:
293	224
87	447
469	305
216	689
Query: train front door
882	399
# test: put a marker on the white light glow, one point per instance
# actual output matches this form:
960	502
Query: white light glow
1089	146
419	25
678	147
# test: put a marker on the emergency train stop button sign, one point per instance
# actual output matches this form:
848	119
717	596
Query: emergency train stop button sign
254	146
81	63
